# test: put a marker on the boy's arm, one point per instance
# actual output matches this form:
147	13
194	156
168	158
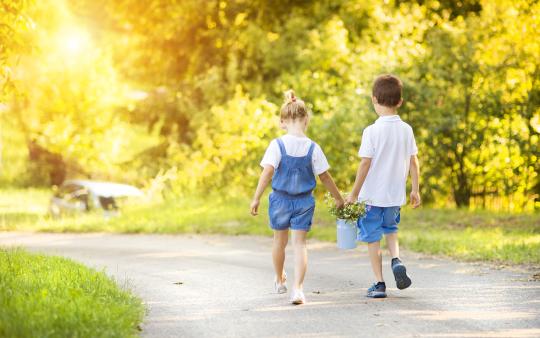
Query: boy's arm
415	174
328	182
361	174
264	179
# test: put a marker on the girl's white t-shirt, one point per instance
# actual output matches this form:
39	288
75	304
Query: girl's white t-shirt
296	146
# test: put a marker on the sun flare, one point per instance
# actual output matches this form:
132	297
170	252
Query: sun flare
73	40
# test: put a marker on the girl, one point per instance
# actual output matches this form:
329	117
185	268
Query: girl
292	162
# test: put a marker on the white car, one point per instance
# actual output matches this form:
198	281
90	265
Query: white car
77	196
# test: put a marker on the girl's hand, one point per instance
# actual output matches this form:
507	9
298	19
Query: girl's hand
255	207
340	203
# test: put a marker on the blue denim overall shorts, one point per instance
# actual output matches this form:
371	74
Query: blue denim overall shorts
291	202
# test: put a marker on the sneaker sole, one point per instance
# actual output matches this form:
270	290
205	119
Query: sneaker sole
297	302
400	274
377	295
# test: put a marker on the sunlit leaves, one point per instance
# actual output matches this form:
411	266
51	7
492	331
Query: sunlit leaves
228	144
204	74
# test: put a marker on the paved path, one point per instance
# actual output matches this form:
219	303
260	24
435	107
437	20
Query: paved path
225	289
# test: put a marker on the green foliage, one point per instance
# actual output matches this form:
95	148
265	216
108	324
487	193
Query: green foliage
184	96
52	296
481	129
350	212
14	23
228	141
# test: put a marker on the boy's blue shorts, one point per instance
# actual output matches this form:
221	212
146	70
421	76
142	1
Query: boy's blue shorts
378	221
291	212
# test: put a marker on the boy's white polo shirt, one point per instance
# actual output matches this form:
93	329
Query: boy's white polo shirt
389	142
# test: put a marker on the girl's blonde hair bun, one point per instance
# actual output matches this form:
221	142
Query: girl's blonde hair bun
289	96
293	108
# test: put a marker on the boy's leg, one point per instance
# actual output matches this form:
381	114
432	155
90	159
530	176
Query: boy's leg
390	227
371	232
281	238
391	218
393	245
375	256
300	257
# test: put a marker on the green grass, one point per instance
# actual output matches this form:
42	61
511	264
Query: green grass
474	236
44	296
462	234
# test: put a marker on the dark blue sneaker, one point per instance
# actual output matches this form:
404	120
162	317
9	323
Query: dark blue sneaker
377	290
400	274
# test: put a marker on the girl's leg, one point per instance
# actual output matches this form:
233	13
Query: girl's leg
374	249
278	252
300	257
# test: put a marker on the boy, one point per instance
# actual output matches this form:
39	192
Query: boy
388	153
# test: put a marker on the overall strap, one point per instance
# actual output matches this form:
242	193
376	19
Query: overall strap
310	152
281	147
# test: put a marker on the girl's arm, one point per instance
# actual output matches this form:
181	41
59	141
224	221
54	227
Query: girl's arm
361	174
264	179
328	182
415	174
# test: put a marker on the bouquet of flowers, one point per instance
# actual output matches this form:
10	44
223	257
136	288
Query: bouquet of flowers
349	212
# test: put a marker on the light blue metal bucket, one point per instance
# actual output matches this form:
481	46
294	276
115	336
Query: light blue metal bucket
346	234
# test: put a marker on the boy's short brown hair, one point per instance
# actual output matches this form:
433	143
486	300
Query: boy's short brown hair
387	90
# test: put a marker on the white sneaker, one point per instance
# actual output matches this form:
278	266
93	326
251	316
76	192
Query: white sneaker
297	297
281	287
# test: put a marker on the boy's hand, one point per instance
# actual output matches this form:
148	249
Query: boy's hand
351	199
255	207
415	199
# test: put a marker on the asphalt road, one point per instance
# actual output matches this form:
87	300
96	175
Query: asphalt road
217	286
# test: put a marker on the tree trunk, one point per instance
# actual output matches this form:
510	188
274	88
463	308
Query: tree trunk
463	191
